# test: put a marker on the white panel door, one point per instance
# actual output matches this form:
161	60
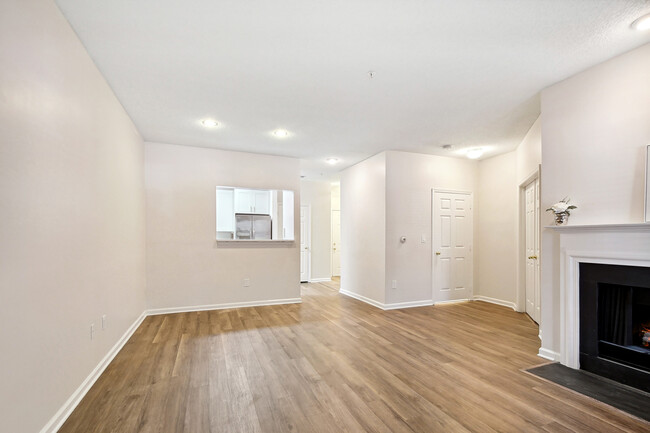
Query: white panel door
305	244
336	243
452	246
533	302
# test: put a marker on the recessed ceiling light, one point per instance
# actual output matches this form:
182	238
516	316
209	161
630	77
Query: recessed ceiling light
475	153
209	123
332	161
642	23
281	133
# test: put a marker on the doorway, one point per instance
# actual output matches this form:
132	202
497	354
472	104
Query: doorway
305	244
453	236
531	250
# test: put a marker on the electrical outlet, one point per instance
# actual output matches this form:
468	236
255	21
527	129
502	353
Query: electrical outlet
104	322
247	282
394	284
92	331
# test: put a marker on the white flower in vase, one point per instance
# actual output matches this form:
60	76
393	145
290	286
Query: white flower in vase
561	210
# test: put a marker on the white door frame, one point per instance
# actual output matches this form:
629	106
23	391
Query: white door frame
332	242
433	243
521	250
308	240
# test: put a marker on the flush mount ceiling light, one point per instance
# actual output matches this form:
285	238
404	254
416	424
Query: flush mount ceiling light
475	153
642	23
209	123
281	133
332	161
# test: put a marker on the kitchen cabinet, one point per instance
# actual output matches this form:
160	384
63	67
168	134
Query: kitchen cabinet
262	204
253	201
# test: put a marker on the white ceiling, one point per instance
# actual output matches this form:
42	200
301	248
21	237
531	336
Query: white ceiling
460	72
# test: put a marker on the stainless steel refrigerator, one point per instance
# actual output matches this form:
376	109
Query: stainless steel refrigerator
249	226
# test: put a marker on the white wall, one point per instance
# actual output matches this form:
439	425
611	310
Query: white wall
185	265
410	177
363	228
72	205
318	195
497	227
595	127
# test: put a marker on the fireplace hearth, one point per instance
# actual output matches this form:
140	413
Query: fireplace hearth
615	322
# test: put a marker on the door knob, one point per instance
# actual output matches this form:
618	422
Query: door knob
437	253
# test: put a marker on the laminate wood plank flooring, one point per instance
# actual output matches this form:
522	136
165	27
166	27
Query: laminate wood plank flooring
335	364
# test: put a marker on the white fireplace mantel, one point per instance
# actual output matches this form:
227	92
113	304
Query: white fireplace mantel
615	244
602	228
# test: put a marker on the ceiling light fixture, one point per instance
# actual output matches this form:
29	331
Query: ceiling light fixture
475	153
281	133
209	123
642	23
332	161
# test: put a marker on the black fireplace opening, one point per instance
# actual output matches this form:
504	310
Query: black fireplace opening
624	324
615	322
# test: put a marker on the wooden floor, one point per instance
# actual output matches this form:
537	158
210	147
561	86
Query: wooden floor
334	364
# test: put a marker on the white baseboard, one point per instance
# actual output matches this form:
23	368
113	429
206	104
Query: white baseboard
393	306
188	309
496	301
411	304
452	301
362	298
320	280
55	423
548	354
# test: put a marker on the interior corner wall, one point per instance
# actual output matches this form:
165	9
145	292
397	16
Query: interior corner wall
186	267
498	233
363	229
497	227
72	242
529	152
318	195
410	178
595	129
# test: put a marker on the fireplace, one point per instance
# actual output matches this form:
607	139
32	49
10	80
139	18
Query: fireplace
615	322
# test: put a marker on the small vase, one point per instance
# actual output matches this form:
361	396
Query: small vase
561	218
